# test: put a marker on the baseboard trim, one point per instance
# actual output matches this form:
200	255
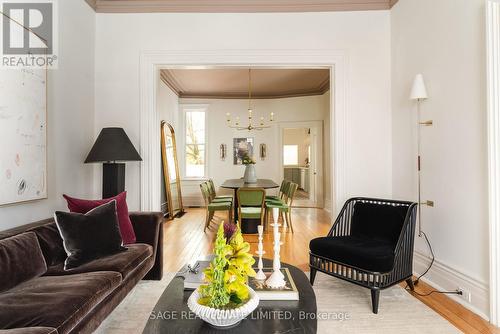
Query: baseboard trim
445	278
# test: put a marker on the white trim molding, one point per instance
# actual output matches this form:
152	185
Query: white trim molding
153	61
493	75
445	278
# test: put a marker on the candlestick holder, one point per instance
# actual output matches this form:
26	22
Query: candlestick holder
260	251
276	280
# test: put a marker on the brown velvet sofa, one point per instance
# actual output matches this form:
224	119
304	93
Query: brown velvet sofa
39	297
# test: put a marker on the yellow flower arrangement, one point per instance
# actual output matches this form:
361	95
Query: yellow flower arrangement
227	276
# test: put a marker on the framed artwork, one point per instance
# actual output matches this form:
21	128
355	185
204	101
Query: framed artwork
242	147
23	134
23	125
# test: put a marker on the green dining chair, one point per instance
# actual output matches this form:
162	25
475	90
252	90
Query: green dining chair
212	207
281	192
284	205
285	184
251	203
213	194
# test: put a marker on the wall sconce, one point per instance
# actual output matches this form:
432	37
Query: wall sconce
223	151
263	151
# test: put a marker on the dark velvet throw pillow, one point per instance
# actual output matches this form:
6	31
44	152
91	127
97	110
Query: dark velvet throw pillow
89	236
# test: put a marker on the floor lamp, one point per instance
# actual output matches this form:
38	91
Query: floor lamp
419	94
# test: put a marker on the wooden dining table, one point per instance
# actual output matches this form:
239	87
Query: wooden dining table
236	184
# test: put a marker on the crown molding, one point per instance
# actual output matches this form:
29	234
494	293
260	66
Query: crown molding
393	2
92	3
235	6
169	78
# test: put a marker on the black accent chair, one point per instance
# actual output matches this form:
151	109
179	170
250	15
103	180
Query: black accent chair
370	244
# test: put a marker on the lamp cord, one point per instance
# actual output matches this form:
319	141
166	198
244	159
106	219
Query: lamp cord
433	258
415	282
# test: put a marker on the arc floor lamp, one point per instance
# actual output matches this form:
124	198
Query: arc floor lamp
419	94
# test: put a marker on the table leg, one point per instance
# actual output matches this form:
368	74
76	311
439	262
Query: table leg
235	201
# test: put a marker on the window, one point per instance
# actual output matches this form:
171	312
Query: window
195	143
290	155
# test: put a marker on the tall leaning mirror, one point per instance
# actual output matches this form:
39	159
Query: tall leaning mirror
171	174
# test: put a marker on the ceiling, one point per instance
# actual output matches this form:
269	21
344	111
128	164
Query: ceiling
233	83
236	6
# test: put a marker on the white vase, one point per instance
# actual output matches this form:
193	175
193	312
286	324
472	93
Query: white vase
223	318
250	175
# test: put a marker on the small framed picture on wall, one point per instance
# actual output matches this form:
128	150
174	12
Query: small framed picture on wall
242	147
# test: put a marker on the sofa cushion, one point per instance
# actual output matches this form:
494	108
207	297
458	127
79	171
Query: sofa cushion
124	262
378	221
51	243
21	259
89	236
363	253
58	301
84	206
30	330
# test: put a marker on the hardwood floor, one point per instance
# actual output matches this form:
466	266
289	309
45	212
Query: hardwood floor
185	241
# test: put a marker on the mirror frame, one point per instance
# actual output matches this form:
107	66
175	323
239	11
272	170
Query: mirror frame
172	212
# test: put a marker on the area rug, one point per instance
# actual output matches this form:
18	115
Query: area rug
345	308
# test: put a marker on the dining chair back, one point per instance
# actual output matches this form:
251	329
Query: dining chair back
212	205
283	205
213	194
205	192
291	191
286	188
211	187
281	193
251	202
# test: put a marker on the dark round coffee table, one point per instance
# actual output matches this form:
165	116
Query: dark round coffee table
171	314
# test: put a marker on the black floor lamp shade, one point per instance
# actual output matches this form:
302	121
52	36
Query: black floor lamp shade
112	146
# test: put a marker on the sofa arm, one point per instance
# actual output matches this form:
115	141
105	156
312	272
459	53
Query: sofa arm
29	330
148	230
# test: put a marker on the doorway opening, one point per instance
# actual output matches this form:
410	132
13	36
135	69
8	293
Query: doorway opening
302	161
154	61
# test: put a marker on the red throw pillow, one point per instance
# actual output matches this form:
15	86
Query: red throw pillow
83	206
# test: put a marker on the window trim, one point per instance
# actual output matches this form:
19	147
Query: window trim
183	109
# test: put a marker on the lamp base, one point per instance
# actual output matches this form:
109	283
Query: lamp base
113	179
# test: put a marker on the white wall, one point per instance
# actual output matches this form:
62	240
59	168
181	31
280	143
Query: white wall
364	36
70	130
445	40
285	110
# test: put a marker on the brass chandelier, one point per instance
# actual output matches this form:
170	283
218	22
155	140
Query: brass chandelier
250	125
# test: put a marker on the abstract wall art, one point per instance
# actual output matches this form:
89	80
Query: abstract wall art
23	133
